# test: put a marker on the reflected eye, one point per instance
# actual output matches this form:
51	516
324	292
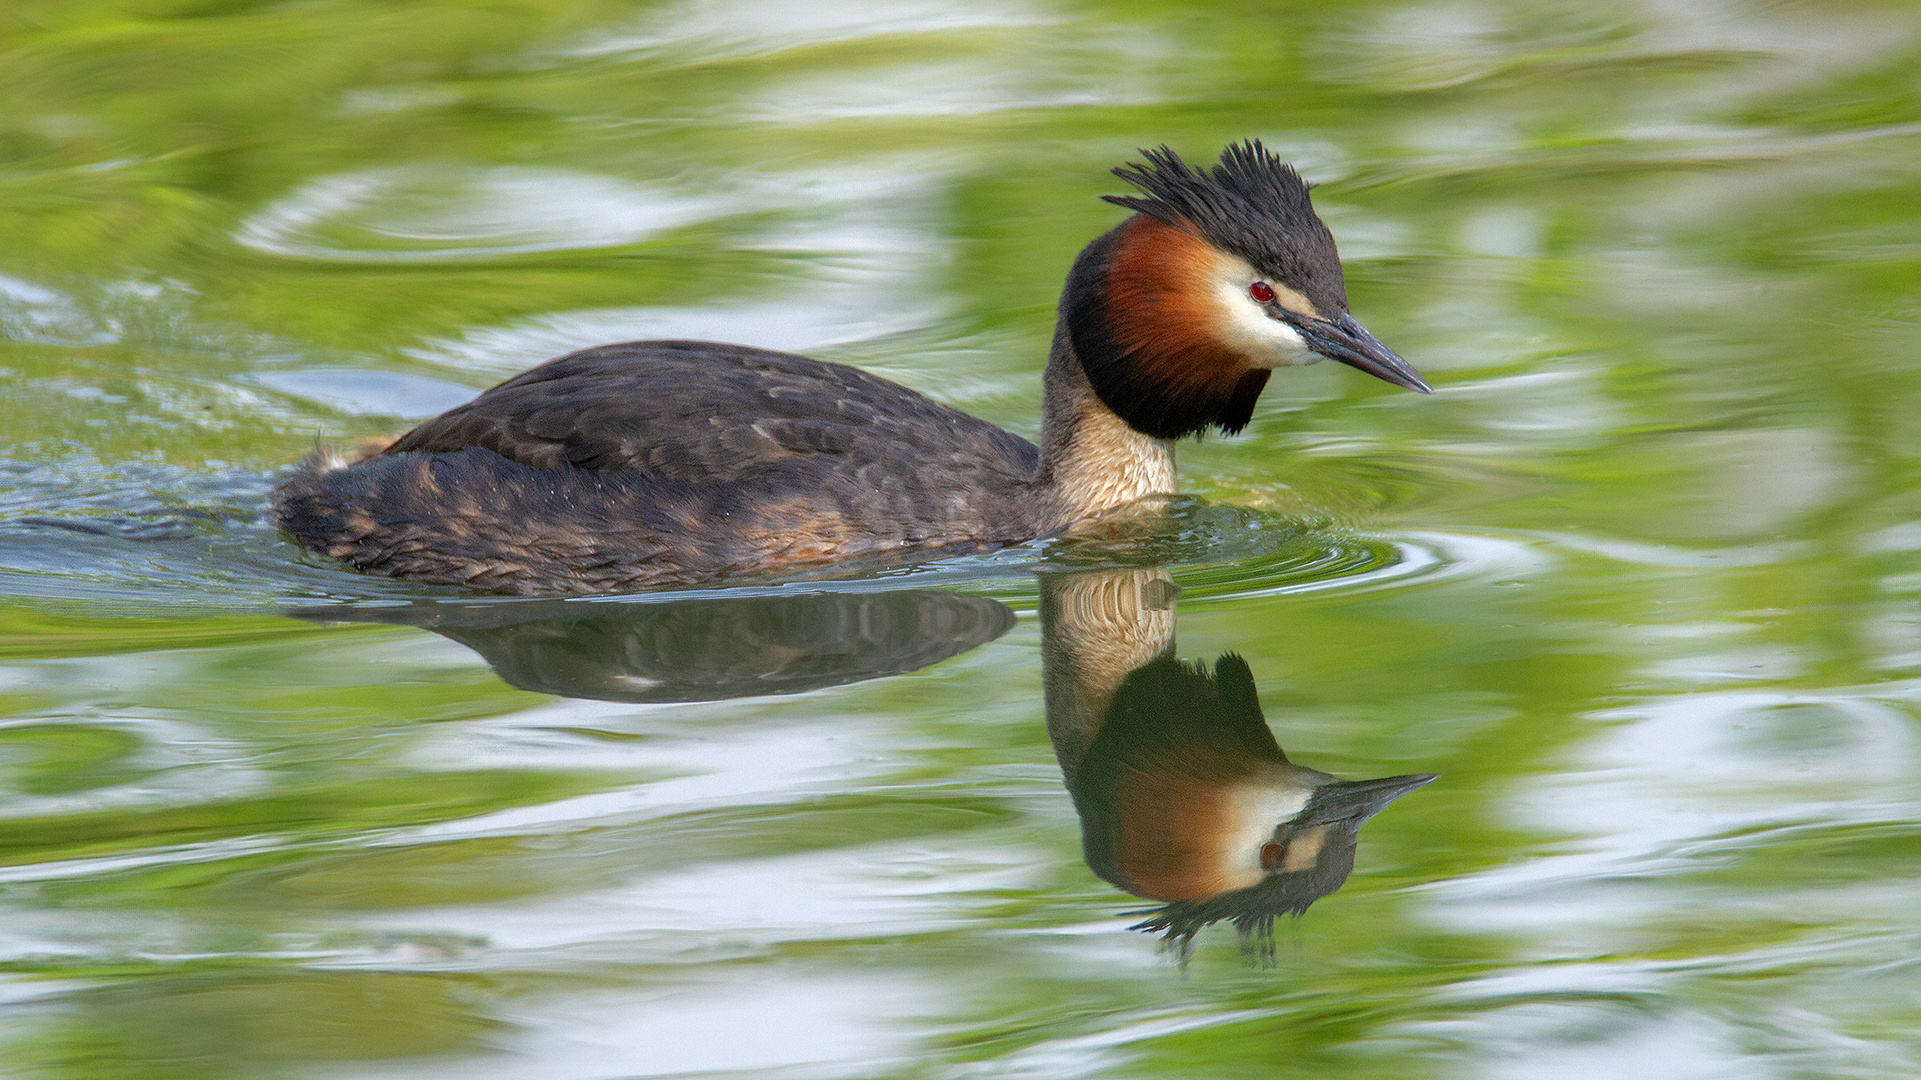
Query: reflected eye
1261	291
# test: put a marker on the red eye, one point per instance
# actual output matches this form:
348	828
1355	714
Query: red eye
1262	292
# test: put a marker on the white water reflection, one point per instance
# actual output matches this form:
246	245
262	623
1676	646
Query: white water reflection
860	244
1679	779
817	318
36	314
795	1023
1598	1041
368	393
423	213
965	87
735	906
1664	805
730	29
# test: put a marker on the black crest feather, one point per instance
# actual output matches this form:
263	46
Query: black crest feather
1252	204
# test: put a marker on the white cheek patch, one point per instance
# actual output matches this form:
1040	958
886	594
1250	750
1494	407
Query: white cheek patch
1242	324
1254	812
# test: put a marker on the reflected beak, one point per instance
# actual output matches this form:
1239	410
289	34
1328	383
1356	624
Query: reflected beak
1349	342
1358	800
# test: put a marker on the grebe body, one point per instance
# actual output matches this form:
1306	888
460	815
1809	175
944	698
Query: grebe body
660	463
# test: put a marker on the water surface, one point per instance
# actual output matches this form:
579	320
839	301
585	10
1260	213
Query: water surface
1640	582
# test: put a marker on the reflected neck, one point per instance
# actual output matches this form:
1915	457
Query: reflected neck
1097	627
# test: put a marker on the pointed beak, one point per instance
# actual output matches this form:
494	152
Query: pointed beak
1349	342
1358	800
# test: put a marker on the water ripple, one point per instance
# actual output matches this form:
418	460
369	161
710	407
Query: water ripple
428	214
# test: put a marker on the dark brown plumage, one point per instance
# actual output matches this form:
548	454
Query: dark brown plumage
625	466
672	462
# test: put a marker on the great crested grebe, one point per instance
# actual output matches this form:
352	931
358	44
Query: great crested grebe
657	463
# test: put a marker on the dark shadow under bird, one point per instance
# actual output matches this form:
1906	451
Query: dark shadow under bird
704	649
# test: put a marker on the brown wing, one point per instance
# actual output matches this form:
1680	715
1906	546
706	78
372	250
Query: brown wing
712	414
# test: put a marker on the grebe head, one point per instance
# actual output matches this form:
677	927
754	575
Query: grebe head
1178	314
1186	798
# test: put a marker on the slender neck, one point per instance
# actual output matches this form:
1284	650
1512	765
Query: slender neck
1097	627
1091	458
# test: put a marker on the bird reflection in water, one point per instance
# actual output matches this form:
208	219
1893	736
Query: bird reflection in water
1184	795
705	649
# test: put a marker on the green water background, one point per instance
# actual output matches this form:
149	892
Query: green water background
1641	581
